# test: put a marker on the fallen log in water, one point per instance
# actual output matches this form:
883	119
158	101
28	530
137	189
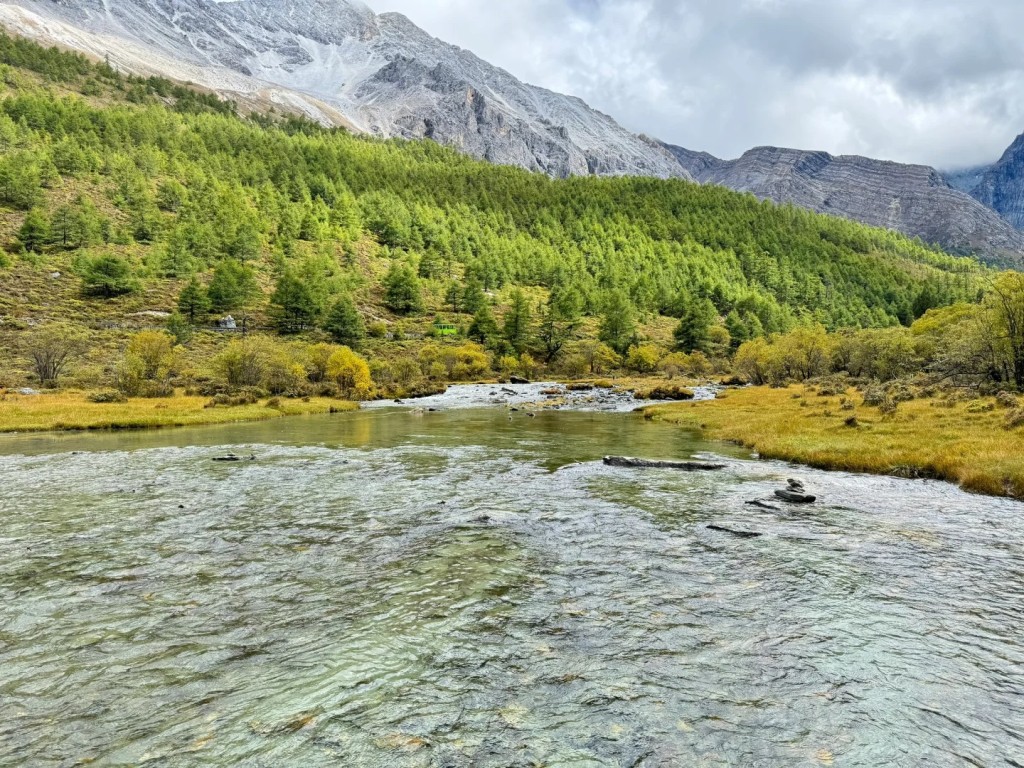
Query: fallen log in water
796	498
732	532
687	466
763	505
233	458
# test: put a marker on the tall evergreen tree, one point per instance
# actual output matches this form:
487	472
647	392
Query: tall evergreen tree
295	309
618	322
402	292
34	231
517	327
344	322
193	301
484	328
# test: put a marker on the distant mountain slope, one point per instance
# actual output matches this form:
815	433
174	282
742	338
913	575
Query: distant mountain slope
338	61
999	186
913	199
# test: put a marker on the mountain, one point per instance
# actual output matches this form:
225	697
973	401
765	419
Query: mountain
999	186
339	62
913	199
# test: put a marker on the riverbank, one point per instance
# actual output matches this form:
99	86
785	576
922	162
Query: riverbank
966	443
58	411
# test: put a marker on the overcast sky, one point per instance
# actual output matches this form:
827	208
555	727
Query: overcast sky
939	82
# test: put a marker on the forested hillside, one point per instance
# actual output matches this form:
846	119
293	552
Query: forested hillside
147	196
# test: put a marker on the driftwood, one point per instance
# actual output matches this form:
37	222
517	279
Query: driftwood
730	531
232	458
687	466
796	498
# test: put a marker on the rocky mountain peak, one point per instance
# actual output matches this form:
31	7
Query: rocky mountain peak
339	62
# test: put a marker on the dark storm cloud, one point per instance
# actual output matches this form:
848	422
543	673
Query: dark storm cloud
929	81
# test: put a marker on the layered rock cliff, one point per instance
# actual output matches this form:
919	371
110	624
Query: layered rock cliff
913	199
999	186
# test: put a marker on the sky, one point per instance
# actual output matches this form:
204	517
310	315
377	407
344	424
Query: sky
938	82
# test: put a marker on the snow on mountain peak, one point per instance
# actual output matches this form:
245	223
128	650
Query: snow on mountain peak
339	62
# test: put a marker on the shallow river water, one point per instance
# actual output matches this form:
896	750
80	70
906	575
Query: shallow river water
474	588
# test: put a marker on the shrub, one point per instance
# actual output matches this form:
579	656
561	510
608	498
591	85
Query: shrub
1015	419
1007	400
108	276
52	349
644	358
351	373
462	363
108	396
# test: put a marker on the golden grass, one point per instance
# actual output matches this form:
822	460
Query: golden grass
924	438
73	411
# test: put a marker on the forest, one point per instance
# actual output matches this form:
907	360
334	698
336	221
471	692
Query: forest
138	214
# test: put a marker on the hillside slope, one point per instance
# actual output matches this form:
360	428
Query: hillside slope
338	62
117	194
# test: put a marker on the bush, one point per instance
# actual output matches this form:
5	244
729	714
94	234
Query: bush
1015	419
108	396
1007	400
52	349
108	276
665	393
644	358
233	401
462	363
351	373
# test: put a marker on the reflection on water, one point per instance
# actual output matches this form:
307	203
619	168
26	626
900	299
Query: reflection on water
476	589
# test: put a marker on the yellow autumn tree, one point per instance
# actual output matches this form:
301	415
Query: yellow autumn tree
351	373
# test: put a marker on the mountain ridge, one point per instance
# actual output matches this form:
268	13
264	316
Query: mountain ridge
914	199
385	75
339	63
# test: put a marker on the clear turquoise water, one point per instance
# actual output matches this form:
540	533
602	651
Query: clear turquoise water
392	588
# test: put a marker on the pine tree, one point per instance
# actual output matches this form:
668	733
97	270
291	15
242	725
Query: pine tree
559	320
484	328
693	332
294	306
233	286
473	298
402	293
34	231
344	322
193	301
516	328
618	322
453	297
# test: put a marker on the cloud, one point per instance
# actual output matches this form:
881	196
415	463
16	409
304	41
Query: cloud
939	82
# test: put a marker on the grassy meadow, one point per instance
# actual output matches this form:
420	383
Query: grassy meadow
66	410
968	443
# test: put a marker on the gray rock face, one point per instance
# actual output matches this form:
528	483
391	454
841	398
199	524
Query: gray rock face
999	186
339	62
913	199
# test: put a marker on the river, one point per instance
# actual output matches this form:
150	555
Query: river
473	587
